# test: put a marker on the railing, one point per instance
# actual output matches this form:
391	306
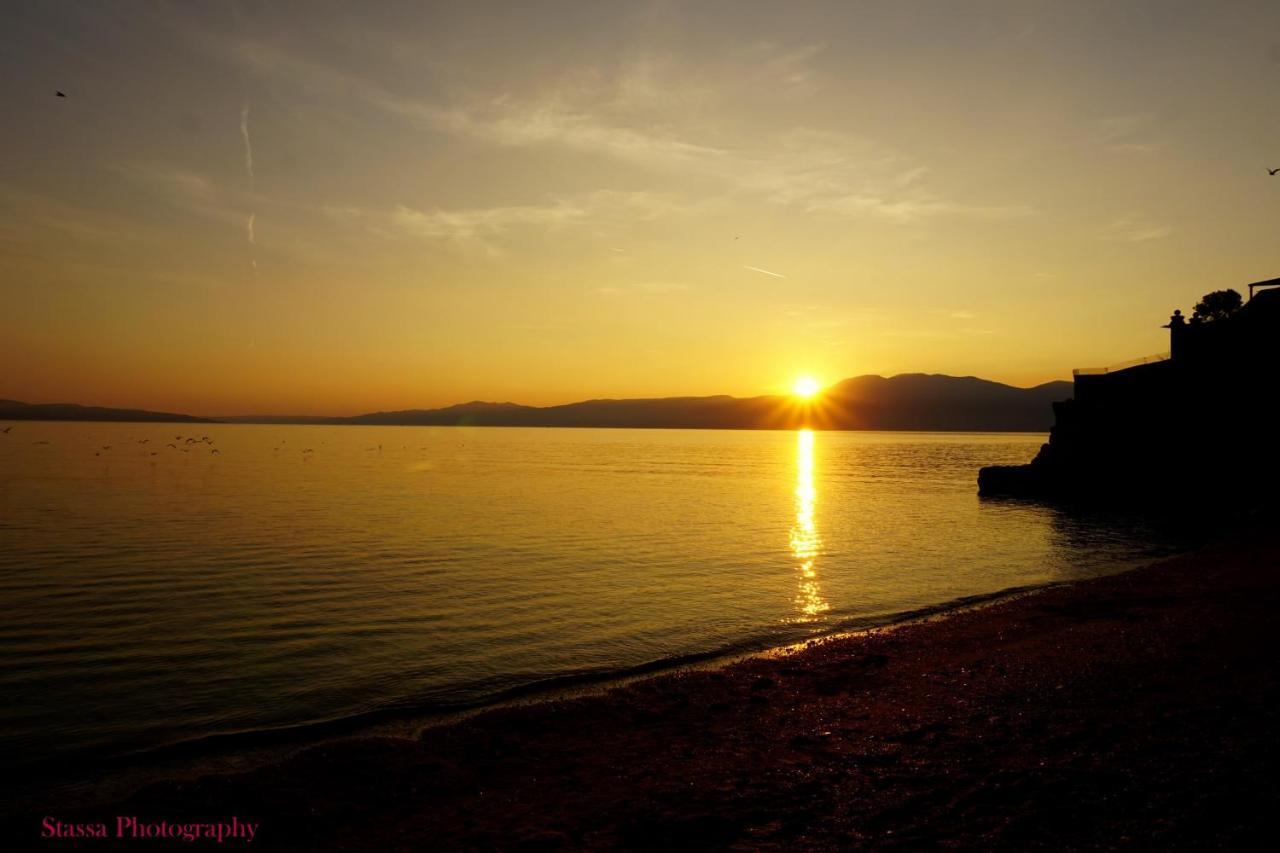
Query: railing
1271	282
1124	365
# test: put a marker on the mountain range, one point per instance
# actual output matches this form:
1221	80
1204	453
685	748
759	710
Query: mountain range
909	401
12	410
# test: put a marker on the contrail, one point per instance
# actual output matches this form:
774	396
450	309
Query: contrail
248	165
248	146
766	272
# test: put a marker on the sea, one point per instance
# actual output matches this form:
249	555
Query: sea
166	585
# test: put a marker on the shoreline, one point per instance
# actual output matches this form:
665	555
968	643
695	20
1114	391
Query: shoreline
1128	701
233	752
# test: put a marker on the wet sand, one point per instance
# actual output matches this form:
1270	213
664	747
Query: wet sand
1137	710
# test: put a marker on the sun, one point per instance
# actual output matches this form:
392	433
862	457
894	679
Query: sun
806	387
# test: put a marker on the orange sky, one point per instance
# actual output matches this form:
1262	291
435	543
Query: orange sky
341	208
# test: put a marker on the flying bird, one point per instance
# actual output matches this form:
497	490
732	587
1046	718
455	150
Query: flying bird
60	94
1272	171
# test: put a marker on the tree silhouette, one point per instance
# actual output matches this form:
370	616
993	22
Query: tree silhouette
1218	305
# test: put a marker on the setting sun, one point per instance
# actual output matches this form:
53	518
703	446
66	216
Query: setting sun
806	387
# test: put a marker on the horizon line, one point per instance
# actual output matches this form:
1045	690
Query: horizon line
477	401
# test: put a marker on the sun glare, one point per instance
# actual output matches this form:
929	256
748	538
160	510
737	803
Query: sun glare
806	387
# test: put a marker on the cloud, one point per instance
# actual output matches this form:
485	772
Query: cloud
1122	134
644	286
184	185
485	227
73	223
819	171
907	210
479	223
196	194
190	191
629	116
1135	229
662	286
508	123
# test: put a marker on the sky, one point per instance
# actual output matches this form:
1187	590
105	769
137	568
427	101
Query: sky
334	208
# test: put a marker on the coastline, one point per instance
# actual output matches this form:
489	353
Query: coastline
1133	706
119	776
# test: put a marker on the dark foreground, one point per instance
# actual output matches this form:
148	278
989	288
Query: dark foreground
1132	711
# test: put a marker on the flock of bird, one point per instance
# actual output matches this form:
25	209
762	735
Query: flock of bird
185	447
185	444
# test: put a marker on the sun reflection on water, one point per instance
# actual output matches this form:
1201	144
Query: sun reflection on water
805	542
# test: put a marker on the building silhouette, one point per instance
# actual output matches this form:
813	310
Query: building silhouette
1194	423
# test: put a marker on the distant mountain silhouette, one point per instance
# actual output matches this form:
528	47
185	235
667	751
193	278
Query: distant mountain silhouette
911	401
12	410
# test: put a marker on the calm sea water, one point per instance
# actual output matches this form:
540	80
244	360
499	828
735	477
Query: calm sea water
156	591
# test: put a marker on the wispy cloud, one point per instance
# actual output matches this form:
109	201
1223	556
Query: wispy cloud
662	286
820	171
72	222
1123	134
197	195
484	227
643	287
190	191
479	223
763	271
1135	229
612	116
907	210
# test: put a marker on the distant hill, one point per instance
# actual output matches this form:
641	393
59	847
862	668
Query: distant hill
911	401
12	410
278	419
